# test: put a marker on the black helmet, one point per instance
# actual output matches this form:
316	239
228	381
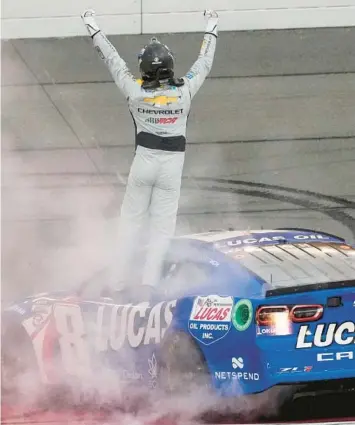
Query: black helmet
156	63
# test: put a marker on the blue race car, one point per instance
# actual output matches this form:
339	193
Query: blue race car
239	312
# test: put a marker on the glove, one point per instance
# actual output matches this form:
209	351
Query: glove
212	22
88	18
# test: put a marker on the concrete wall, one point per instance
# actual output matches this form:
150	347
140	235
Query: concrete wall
49	18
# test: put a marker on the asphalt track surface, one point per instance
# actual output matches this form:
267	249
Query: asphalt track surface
271	144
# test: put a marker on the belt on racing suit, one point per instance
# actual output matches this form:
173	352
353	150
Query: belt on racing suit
152	141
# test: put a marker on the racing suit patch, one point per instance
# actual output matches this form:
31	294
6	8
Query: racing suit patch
161	100
161	120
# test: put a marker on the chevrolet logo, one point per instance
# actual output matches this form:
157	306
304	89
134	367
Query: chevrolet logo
161	100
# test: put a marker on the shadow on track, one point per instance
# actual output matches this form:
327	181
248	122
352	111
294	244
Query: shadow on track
327	408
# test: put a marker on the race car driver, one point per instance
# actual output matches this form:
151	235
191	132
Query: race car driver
159	104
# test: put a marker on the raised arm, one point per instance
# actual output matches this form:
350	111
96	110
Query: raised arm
202	67
116	65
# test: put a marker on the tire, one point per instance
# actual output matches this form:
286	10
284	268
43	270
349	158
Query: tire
19	370
182	366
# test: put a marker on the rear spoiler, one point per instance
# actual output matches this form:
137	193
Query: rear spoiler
311	287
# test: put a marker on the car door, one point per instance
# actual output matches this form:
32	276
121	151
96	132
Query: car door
108	337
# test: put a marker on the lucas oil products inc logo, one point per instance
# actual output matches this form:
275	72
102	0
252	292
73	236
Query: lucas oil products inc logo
210	318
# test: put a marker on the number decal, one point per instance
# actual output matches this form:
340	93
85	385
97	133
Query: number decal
73	346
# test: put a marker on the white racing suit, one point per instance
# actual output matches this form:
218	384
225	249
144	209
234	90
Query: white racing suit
153	187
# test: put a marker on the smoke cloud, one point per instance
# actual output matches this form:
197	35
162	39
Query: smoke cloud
57	233
60	212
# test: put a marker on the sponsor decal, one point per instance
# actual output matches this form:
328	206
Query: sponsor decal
295	369
239	376
190	75
238	363
206	44
40	314
115	326
329	357
161	120
136	325
99	52
265	331
265	240
326	335
242	315
210	318
160	112
161	100
130	375
153	372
